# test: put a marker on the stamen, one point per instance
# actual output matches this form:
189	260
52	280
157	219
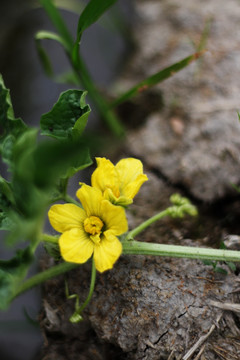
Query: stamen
93	225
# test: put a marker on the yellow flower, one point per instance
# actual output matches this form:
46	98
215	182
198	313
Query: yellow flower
91	230
118	184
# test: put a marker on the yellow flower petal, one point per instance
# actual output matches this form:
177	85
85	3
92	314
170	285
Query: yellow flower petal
90	199
66	216
105	176
107	252
75	246
131	175
114	218
131	189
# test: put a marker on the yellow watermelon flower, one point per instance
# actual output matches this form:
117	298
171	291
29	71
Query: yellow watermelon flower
92	229
118	184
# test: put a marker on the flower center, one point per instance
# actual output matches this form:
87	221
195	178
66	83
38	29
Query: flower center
93	225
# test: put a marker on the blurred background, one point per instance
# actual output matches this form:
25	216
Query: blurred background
105	48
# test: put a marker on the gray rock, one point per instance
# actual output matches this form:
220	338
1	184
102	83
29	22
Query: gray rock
195	140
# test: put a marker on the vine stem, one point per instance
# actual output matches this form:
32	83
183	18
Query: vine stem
132	248
143	248
91	288
131	235
43	276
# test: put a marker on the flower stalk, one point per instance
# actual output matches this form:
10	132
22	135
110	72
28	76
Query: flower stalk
181	207
91	289
77	315
143	248
50	239
133	233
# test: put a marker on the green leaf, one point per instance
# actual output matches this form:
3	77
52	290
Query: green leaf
5	221
231	266
8	123
220	270
6	195
30	201
10	128
202	43
11	273
156	78
44	59
209	263
92	12
58	22
22	153
74	6
7	148
68	77
36	175
53	250
82	161
7	204
59	159
68	117
237	188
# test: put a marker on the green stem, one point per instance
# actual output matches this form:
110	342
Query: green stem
105	111
70	199
58	22
50	238
63	186
142	248
43	276
132	234
91	289
81	71
67	198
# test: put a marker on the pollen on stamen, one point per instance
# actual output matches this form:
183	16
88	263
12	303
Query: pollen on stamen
93	225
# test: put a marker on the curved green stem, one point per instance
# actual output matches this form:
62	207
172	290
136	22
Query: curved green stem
43	276
91	289
131	235
77	316
142	248
181	207
57	20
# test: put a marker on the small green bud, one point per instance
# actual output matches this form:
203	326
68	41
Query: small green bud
191	210
183	206
75	318
179	200
175	211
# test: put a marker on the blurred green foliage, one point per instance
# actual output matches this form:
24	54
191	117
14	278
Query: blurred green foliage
38	169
